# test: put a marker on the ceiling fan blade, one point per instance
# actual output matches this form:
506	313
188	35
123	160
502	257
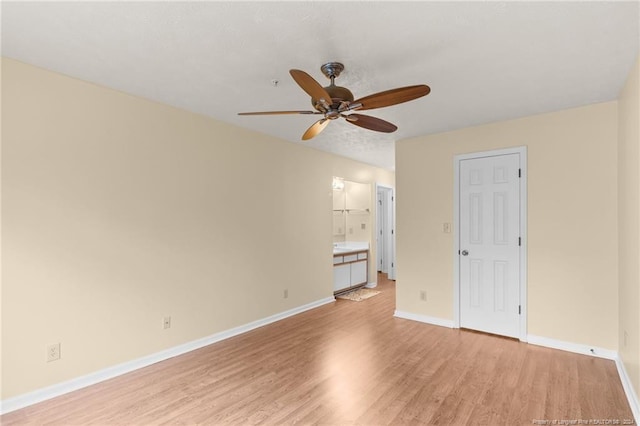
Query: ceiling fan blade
371	123
312	87
315	128
278	112
393	96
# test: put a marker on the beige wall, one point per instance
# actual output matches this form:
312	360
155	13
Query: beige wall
118	211
572	220
629	225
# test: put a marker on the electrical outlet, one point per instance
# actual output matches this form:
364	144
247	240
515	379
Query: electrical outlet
446	228
423	295
363	226
286	293
53	352
166	322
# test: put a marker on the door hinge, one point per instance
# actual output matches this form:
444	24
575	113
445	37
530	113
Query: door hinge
392	232
519	309
392	264
392	198
519	173
519	241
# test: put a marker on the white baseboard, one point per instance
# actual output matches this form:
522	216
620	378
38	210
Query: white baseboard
572	347
632	397
424	318
53	391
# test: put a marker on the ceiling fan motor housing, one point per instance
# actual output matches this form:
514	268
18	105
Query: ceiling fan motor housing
338	95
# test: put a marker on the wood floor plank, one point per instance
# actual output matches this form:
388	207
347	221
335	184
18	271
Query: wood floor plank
350	363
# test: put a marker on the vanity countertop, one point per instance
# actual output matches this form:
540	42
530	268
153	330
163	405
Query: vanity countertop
346	248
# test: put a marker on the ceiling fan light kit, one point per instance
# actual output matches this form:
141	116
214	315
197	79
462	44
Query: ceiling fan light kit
334	101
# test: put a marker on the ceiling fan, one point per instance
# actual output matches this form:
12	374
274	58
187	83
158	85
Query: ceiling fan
332	102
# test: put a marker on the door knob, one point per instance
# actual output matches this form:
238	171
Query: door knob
464	253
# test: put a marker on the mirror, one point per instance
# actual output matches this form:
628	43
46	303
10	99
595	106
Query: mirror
351	211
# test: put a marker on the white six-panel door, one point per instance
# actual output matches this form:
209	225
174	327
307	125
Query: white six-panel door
489	244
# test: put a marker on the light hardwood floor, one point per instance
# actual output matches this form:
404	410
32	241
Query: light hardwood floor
351	363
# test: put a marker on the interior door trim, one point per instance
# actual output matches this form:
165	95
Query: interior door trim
522	151
391	235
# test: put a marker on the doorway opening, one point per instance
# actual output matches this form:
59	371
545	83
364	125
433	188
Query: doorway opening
385	231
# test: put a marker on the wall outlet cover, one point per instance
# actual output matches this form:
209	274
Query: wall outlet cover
53	352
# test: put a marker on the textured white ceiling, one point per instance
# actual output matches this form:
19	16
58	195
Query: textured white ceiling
484	61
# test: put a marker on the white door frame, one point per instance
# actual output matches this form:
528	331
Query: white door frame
389	228
380	266
522	151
